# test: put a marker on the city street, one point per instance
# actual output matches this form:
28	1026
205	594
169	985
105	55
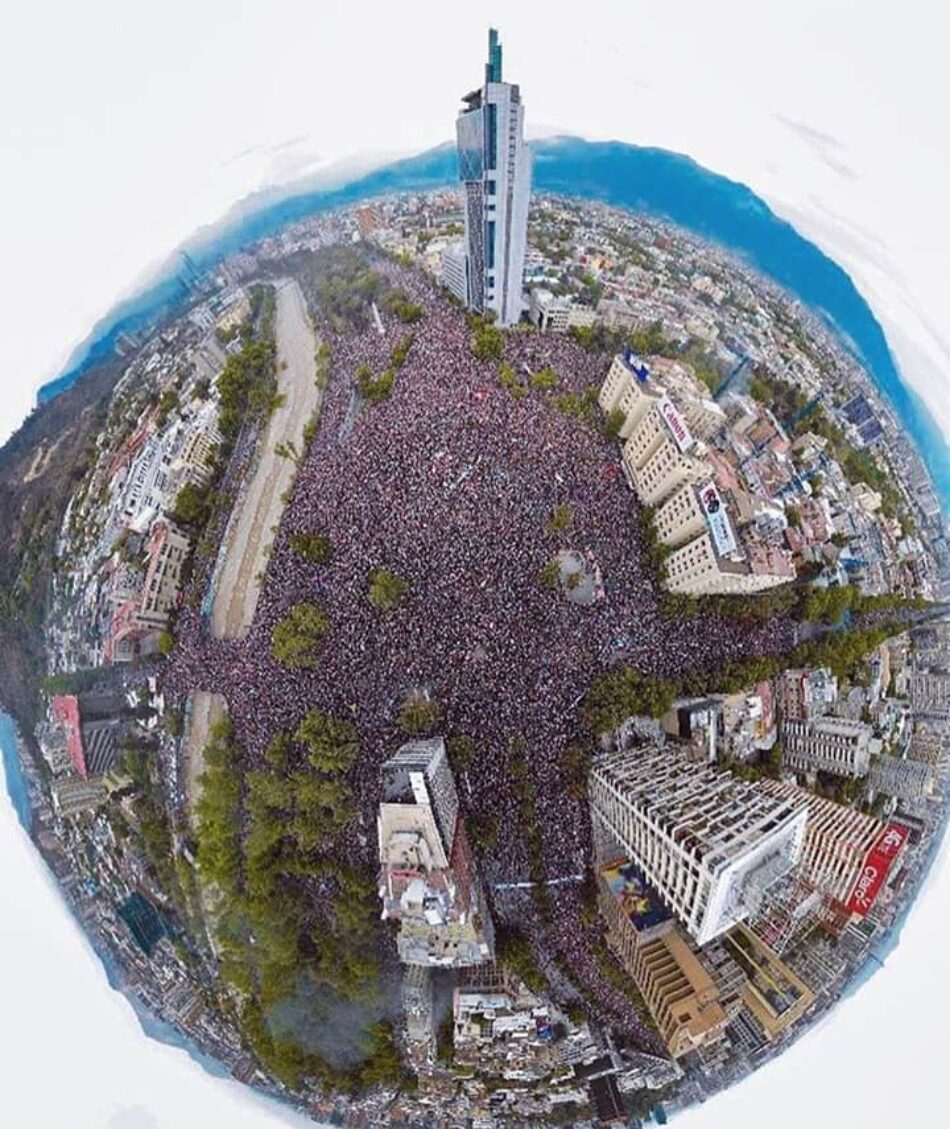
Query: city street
258	510
206	711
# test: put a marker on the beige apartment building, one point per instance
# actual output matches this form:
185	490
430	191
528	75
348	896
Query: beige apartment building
625	387
616	384
667	468
645	438
681	517
698	569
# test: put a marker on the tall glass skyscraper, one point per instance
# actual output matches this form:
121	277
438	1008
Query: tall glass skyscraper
495	171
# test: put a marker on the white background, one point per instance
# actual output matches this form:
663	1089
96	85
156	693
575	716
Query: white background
126	126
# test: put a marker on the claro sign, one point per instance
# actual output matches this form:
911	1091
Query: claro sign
876	867
675	422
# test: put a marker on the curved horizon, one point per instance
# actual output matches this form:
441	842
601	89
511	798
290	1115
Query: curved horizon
658	182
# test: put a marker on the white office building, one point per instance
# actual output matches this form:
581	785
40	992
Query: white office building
454	272
495	171
709	844
835	745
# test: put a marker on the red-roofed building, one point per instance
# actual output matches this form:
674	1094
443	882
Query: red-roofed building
65	709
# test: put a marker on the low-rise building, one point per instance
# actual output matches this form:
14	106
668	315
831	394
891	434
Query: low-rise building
682	996
557	315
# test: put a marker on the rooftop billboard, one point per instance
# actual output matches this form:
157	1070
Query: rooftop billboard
876	868
675	424
717	520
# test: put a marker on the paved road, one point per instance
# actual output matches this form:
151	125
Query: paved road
259	509
206	711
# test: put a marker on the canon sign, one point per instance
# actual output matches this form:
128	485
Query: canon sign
876	867
674	421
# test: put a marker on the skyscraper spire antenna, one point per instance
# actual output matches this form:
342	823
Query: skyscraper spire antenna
493	66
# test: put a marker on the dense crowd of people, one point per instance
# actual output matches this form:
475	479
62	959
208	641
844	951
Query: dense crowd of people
450	484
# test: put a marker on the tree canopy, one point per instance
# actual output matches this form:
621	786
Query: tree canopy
295	638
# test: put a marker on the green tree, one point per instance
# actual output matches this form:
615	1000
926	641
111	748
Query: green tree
192	506
386	589
575	768
619	694
508	379
374	389
401	350
419	715
296	637
550	575
315	547
613	422
544	380
461	750
486	340
331	742
560	519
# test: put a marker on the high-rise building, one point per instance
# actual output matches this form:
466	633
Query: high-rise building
709	844
495	171
428	882
702	567
682	517
454	273
74	794
627	387
928	741
835	745
670	467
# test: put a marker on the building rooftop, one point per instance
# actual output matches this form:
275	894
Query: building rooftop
639	902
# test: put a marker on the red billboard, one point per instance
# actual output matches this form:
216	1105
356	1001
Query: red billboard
876	867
